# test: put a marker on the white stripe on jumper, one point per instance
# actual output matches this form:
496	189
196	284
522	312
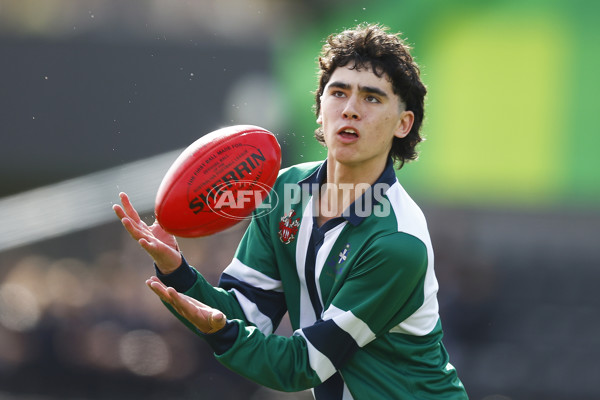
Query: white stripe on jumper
252	277
306	309
412	221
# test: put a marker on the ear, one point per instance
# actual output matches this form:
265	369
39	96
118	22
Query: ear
320	116
404	124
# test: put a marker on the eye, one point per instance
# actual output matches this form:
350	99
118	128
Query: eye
338	93
372	99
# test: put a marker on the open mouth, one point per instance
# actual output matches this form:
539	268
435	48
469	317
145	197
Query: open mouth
348	133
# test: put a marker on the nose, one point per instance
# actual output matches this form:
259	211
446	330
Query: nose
350	110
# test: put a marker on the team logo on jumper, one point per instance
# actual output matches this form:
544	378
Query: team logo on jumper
344	254
342	258
288	227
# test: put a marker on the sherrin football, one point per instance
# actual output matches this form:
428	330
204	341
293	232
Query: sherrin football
218	181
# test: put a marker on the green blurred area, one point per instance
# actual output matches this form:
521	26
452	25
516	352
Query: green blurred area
511	109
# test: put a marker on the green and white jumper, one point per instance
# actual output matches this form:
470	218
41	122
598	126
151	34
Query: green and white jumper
360	292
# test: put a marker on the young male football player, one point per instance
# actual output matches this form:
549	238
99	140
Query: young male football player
352	265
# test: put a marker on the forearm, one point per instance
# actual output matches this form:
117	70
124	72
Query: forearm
189	281
278	362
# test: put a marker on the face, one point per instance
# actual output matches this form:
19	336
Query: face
360	116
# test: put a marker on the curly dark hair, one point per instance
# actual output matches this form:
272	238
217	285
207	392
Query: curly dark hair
370	46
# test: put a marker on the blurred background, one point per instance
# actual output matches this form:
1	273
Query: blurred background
100	96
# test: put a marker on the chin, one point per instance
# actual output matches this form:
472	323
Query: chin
345	159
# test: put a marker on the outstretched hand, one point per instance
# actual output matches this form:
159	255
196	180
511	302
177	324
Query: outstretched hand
203	317
160	245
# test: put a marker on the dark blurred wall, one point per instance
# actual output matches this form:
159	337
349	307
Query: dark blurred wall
71	107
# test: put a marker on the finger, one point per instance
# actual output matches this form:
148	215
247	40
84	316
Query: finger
159	289
206	318
136	226
154	279
170	296
189	307
133	229
146	245
183	308
189	303
119	211
128	207
154	247
157	282
217	321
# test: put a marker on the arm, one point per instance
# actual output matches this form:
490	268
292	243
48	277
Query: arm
172	269
164	250
253	301
271	360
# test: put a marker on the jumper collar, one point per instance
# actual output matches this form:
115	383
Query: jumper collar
387	177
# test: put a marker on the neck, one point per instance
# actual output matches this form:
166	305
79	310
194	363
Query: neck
355	174
345	184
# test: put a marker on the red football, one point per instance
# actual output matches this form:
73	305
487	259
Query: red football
218	181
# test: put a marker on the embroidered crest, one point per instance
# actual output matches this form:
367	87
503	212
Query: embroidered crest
343	256
288	227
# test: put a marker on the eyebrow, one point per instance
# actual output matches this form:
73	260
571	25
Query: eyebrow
362	89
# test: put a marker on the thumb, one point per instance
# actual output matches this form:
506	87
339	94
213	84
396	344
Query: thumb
217	321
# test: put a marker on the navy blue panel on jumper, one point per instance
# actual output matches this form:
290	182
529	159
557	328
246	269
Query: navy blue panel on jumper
314	245
331	340
222	340
182	279
315	242
270	303
331	389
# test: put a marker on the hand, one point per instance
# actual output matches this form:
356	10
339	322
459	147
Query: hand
203	317
160	245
